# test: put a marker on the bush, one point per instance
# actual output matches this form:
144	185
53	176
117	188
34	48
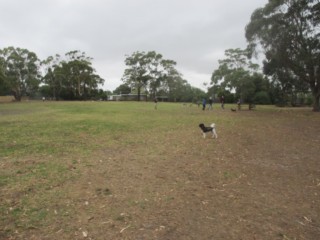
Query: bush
262	98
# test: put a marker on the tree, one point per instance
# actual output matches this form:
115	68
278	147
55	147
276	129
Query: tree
160	72
217	91
20	70
4	89
288	31
155	71
122	89
237	73
71	78
174	85
147	70
50	78
99	94
81	74
136	74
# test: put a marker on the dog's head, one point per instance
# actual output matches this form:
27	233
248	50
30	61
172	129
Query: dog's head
201	125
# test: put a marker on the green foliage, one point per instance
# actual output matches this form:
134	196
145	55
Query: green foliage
72	78
122	89
135	75
4	88
69	78
261	98
288	31
19	71
151	72
237	73
179	90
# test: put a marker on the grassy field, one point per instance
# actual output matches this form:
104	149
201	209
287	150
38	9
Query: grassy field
123	170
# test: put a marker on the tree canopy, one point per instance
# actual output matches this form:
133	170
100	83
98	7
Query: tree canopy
147	70
150	73
71	78
19	71
288	32
236	73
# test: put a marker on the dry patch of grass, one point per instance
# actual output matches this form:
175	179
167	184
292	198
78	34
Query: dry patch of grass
6	99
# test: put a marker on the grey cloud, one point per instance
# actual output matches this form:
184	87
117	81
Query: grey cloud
191	32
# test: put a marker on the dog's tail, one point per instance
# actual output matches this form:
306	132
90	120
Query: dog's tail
213	125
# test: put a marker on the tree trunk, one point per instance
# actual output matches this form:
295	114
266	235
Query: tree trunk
139	90
316	107
79	87
17	94
315	88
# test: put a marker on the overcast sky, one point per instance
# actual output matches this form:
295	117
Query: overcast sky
194	33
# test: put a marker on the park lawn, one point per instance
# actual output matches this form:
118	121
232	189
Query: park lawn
123	170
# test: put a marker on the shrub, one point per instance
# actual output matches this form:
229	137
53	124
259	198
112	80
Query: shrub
262	98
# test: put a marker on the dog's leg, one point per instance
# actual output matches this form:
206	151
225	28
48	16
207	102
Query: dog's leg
204	135
214	134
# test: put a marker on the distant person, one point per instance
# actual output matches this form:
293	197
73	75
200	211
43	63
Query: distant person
210	103
204	103
155	103
222	101
239	104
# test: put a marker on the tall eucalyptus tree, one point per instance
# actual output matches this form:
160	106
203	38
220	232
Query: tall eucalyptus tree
289	33
20	71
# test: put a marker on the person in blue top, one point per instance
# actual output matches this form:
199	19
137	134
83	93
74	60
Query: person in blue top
204	102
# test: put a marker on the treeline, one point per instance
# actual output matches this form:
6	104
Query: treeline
72	77
238	78
149	73
287	33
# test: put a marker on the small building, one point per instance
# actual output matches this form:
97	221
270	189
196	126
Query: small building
127	97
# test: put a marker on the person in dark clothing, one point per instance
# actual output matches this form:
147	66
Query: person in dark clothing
155	103
222	101
204	102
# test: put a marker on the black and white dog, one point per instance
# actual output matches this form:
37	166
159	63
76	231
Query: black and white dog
211	129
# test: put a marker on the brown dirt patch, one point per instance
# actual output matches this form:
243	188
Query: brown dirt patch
6	99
